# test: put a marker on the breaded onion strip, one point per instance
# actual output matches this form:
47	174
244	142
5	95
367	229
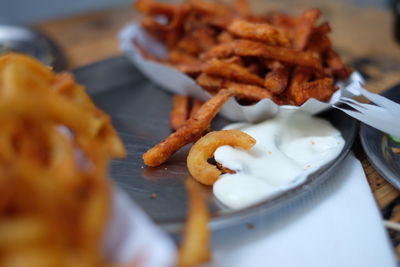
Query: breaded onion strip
180	111
257	49
231	71
188	132
258	32
204	149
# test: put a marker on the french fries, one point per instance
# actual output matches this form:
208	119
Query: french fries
195	246
54	203
288	59
180	111
231	71
231	43
196	105
187	133
262	32
277	79
248	92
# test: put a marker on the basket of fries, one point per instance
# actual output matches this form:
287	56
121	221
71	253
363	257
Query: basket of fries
275	60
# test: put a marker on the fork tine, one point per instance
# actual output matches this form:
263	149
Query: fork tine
355	114
380	100
352	102
371	111
373	119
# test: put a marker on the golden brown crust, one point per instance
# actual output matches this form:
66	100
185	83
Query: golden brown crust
204	148
193	128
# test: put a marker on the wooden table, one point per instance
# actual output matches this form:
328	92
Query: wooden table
362	35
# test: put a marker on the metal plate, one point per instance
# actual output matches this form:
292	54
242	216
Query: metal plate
377	146
140	113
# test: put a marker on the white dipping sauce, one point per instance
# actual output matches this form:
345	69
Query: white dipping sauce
289	147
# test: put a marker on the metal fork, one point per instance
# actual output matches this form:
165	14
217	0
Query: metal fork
383	115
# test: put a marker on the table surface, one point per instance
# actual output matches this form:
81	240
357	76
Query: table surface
362	35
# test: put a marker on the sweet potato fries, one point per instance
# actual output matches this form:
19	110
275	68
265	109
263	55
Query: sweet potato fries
231	52
233	45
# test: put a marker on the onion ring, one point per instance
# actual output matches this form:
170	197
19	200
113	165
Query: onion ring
204	149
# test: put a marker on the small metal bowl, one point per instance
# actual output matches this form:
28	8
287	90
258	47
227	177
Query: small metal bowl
26	40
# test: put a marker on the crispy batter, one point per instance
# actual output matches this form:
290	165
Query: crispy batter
258	32
204	148
150	7
193	128
195	246
319	43
300	75
319	89
196	105
241	90
257	49
277	79
234	60
224	37
231	71
211	8
205	37
304	28
180	111
190	69
336	65
189	45
177	56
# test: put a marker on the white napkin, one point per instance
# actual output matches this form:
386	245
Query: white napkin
339	224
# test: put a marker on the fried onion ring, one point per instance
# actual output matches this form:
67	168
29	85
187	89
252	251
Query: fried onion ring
204	149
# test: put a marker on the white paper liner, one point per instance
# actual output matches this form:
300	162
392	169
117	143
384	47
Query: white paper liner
132	238
177	82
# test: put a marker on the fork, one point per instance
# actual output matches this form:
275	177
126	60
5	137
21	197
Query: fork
383	114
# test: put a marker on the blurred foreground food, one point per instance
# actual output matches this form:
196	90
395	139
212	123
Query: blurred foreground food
54	151
195	247
55	146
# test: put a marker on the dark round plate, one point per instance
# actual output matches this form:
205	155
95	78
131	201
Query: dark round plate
377	146
140	113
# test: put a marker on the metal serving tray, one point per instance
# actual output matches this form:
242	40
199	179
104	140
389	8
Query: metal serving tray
140	113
